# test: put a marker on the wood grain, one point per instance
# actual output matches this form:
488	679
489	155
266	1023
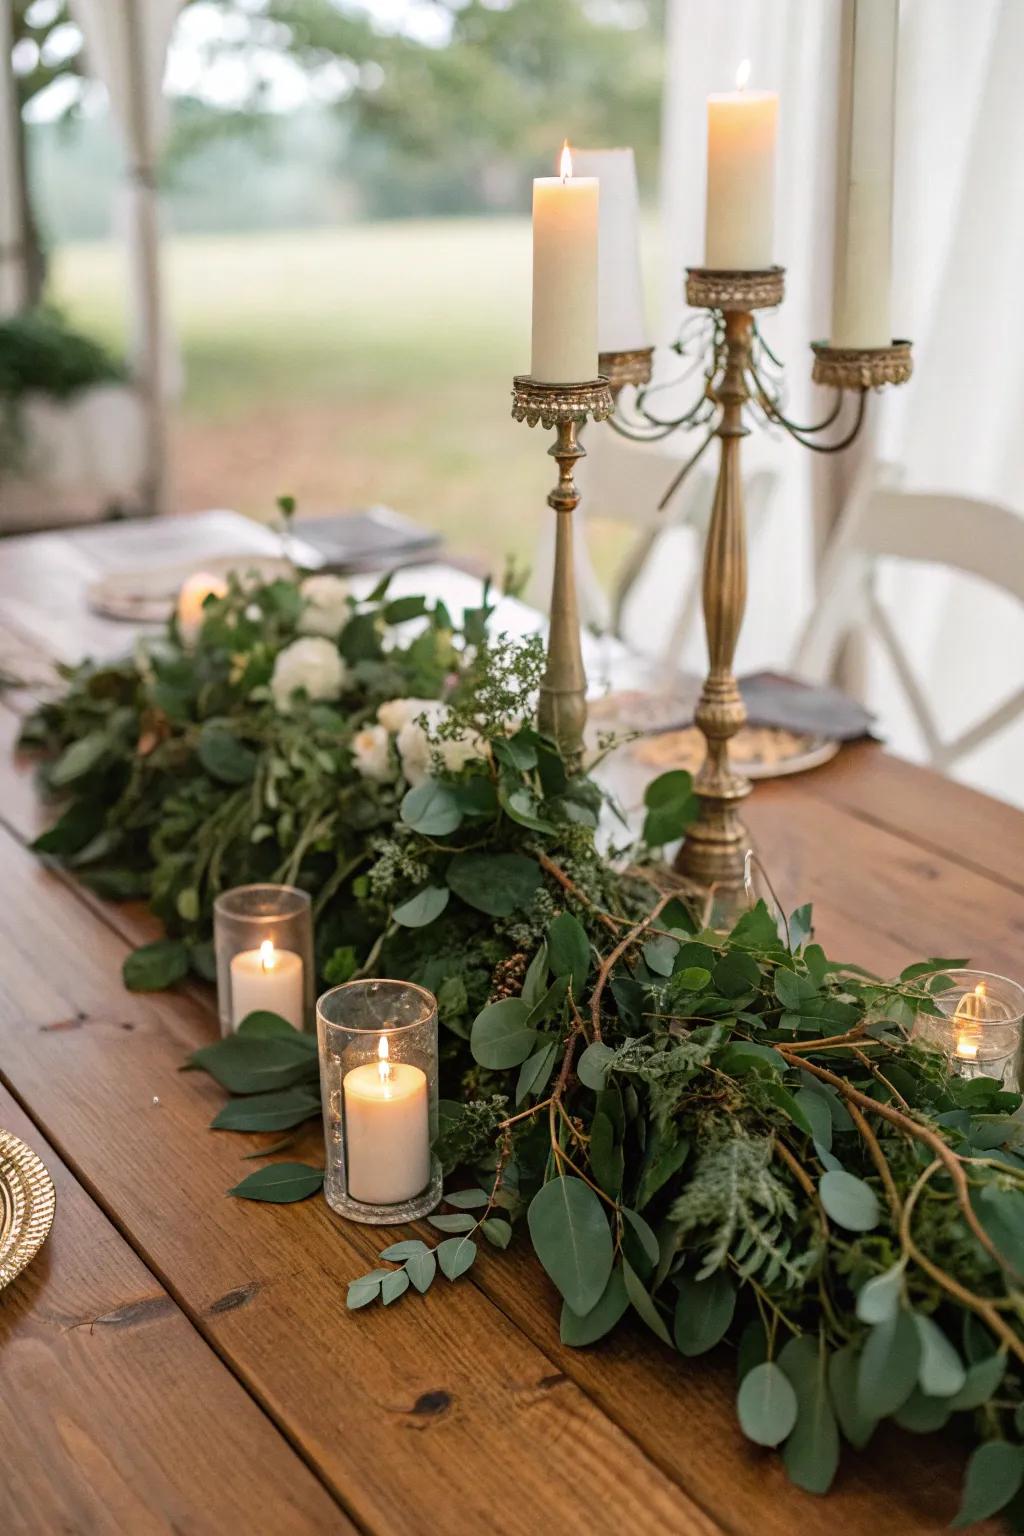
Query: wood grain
425	1419
115	1416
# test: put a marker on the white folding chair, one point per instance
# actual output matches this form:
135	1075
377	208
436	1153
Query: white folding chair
880	523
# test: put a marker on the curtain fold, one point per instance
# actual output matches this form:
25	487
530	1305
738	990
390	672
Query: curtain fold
958	254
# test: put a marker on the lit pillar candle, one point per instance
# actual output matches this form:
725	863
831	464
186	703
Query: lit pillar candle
863	272
387	1130
269	979
740	227
193	594
565	276
621	325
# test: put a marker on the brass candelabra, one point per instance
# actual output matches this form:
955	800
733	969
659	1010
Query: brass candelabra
741	379
562	708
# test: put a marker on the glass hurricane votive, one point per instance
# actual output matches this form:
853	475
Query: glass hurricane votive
378	1078
981	1025
263	939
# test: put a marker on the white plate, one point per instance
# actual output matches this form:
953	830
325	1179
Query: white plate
149	596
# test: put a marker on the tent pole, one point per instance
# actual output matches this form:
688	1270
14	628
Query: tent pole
145	217
13	272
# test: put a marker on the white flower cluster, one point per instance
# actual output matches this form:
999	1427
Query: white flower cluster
311	665
325	606
409	723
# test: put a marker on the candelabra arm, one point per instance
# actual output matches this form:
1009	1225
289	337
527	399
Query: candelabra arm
562	707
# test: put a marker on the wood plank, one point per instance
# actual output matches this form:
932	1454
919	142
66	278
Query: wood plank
878	895
922	806
414	1417
115	1416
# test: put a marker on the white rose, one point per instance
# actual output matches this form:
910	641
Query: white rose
395	713
417	751
325	606
371	753
313	665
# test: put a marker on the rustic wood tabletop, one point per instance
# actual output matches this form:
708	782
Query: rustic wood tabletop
175	1361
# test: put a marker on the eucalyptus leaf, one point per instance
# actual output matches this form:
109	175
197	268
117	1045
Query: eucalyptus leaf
422	908
856	1424
572	1240
578	1331
982	1381
499	1037
455	1255
268	1111
879	1298
536	1069
671	807
395	1285
496	883
811	1454
453	1221
569	950
421	1269
362	1291
849	1201
941	1372
404	1250
281	1183
592	1067
766	1404
994	1474
467	1199
156	966
704	1311
431	808
496	1231
644	1304
224	757
889	1363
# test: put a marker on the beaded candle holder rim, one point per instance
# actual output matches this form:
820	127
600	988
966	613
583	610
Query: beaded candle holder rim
862	367
534	401
709	288
630	367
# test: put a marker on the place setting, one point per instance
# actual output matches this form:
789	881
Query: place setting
509	1063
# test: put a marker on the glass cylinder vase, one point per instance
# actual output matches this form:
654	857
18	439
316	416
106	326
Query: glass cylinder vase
980	1027
378	1080
263	939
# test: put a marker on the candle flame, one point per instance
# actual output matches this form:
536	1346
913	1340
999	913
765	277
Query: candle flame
565	164
268	959
743	75
383	1064
966	1049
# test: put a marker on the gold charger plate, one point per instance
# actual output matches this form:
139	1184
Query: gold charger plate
756	751
27	1203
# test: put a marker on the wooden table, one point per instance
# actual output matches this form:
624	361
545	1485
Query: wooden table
175	1361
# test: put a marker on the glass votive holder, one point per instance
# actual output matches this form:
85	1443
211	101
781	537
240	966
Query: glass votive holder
378	1081
980	1029
263	939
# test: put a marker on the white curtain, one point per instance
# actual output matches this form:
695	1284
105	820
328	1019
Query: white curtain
959	250
126	45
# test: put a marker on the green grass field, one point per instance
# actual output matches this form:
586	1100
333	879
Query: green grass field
365	364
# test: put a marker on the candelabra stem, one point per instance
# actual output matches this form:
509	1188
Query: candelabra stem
715	845
562	707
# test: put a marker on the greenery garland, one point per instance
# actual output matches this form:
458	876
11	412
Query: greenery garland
733	1136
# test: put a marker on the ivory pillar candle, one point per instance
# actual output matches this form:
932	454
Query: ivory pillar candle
269	979
387	1130
863	270
565	234
621	324
740	227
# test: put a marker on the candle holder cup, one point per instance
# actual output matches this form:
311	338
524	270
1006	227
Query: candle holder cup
263	941
981	1028
379	1086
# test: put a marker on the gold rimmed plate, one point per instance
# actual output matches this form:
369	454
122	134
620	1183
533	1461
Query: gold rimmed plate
27	1203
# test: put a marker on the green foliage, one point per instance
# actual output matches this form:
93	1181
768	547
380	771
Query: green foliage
694	1135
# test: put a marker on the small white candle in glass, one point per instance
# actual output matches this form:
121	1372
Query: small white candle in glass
740	229
263	939
267	979
379	1087
191	602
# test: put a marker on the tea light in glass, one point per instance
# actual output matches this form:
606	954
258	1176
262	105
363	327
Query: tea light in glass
980	1027
378	1074
263	938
